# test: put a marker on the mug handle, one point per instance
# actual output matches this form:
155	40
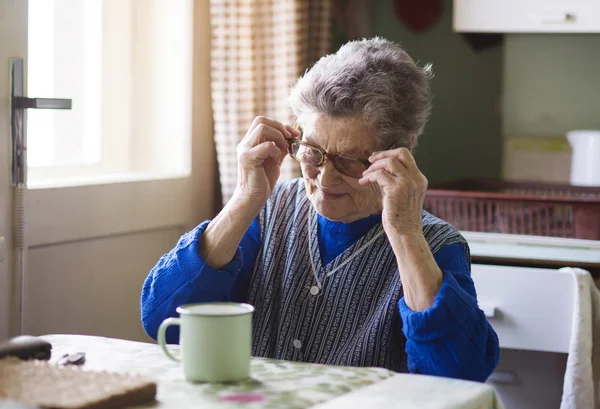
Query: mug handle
161	336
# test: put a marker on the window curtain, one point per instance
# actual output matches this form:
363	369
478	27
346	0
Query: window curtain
259	49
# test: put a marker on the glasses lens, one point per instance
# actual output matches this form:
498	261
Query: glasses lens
307	154
349	166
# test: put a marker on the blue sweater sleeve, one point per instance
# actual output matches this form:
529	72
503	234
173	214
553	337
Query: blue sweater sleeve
452	338
182	276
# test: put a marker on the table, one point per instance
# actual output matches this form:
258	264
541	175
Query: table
278	384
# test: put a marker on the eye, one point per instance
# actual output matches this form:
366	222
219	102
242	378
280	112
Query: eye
307	154
350	166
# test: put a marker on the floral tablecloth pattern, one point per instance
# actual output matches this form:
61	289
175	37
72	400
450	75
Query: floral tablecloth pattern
273	384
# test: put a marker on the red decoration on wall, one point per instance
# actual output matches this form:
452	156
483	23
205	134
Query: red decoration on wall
418	15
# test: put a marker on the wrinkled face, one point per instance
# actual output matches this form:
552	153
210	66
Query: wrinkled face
334	195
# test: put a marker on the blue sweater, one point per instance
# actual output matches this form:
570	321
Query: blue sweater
452	338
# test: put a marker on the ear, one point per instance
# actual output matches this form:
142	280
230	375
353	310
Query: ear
413	144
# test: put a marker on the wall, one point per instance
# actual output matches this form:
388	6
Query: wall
551	86
463	137
551	83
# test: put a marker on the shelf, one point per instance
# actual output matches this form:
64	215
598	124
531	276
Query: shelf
533	248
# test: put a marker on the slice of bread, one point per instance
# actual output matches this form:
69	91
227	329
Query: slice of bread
45	385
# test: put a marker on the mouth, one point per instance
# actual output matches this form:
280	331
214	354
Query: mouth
332	196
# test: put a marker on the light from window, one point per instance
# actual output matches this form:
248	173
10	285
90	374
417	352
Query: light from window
127	66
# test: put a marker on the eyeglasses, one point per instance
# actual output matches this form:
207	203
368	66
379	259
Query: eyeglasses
313	155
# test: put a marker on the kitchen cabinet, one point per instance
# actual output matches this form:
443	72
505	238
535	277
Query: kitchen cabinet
531	304
529	308
527	16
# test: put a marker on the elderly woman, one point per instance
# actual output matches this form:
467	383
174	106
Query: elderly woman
342	266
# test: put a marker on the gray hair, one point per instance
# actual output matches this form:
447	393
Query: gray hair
374	80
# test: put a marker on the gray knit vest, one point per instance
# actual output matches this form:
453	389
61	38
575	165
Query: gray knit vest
344	317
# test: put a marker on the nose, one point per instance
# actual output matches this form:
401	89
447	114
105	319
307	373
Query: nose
328	175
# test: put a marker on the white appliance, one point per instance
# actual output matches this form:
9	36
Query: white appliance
530	307
585	161
527	16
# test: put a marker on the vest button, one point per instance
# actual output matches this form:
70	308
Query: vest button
297	344
314	290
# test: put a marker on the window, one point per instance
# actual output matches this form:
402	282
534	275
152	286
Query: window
127	65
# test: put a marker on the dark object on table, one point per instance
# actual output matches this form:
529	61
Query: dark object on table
43	384
77	358
26	347
530	208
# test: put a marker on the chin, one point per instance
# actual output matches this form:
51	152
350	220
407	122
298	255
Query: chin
335	210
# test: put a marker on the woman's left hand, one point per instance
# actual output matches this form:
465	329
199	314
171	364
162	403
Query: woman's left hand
403	187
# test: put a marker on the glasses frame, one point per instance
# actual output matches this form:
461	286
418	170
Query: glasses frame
324	154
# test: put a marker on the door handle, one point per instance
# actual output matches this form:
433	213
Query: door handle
556	17
41	103
19	103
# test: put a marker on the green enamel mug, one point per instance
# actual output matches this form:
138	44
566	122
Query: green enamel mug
215	341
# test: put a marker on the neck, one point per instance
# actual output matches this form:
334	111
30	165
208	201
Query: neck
351	220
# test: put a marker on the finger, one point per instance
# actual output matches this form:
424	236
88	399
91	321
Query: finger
407	159
403	154
272	123
260	153
391	165
265	133
380	176
295	132
382	154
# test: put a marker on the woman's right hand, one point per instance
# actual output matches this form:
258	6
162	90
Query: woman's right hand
260	155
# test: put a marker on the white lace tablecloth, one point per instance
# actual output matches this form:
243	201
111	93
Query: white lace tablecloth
278	384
